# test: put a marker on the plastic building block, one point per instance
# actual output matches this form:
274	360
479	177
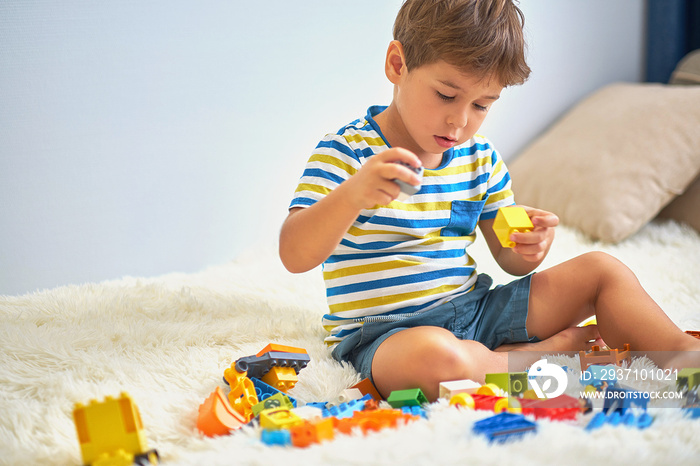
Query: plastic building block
258	366
560	408
278	418
217	417
350	394
642	421
410	397
346	409
603	357
264	391
693	413
318	404
367	387
688	378
414	411
511	405
279	400
282	378
308	413
511	220
280	437
280	349
371	404
408	190
309	432
504	426
529	394
513	383
463	400
621	399
111	432
485	402
372	421
242	395
490	389
451	388
590	321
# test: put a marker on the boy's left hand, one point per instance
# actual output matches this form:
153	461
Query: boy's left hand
534	245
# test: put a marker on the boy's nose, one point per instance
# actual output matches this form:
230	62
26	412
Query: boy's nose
458	119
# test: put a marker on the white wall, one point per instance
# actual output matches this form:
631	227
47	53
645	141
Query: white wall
140	138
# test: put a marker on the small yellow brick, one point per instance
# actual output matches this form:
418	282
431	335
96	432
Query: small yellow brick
510	220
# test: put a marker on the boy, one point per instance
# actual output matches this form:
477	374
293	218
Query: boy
407	307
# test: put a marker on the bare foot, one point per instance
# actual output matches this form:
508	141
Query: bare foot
689	356
569	339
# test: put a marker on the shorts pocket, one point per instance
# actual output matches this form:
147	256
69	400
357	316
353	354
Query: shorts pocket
464	215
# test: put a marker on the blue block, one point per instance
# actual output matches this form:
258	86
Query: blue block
344	410
504	426
414	411
318	404
643	421
265	391
276	437
621	399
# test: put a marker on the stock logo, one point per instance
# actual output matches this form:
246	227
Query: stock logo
542	375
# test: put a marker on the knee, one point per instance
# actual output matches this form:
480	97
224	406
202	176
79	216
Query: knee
447	359
604	264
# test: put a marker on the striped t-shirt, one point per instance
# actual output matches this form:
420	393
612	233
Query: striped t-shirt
405	257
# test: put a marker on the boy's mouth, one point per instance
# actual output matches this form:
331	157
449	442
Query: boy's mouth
444	141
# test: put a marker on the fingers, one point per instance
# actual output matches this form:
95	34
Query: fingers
541	218
399	154
533	245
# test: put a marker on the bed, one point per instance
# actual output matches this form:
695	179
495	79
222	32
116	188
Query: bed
167	340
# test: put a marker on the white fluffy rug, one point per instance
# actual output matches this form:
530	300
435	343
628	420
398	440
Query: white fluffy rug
167	341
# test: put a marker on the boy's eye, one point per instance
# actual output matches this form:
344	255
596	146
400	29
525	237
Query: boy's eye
444	97
481	108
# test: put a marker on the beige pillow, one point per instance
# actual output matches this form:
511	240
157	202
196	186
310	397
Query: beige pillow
614	160
686	207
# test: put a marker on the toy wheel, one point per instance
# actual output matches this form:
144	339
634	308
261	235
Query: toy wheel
463	400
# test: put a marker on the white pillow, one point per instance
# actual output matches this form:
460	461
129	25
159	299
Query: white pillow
615	159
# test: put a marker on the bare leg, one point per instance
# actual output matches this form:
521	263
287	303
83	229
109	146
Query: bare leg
422	357
598	284
560	298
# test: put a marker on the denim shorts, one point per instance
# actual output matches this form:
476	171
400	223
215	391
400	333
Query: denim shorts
492	317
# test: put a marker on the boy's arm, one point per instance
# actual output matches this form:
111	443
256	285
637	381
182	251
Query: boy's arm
310	235
530	248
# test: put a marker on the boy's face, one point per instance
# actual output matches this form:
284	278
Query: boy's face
440	106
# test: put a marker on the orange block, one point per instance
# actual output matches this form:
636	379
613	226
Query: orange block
216	416
310	432
281	349
365	386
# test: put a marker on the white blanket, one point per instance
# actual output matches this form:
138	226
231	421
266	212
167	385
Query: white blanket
167	340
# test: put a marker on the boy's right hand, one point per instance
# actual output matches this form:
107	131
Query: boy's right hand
374	183
310	235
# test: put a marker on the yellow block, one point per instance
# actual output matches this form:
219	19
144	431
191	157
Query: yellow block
282	378
109	428
511	220
278	418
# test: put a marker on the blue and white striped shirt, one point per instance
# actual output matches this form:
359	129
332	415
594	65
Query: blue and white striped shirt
408	256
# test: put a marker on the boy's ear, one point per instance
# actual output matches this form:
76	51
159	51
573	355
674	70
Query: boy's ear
395	65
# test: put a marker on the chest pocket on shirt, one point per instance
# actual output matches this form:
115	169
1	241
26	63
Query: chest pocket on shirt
464	216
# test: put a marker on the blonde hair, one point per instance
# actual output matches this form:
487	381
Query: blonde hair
484	37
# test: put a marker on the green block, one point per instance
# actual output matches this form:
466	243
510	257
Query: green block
688	378
410	397
514	383
278	400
